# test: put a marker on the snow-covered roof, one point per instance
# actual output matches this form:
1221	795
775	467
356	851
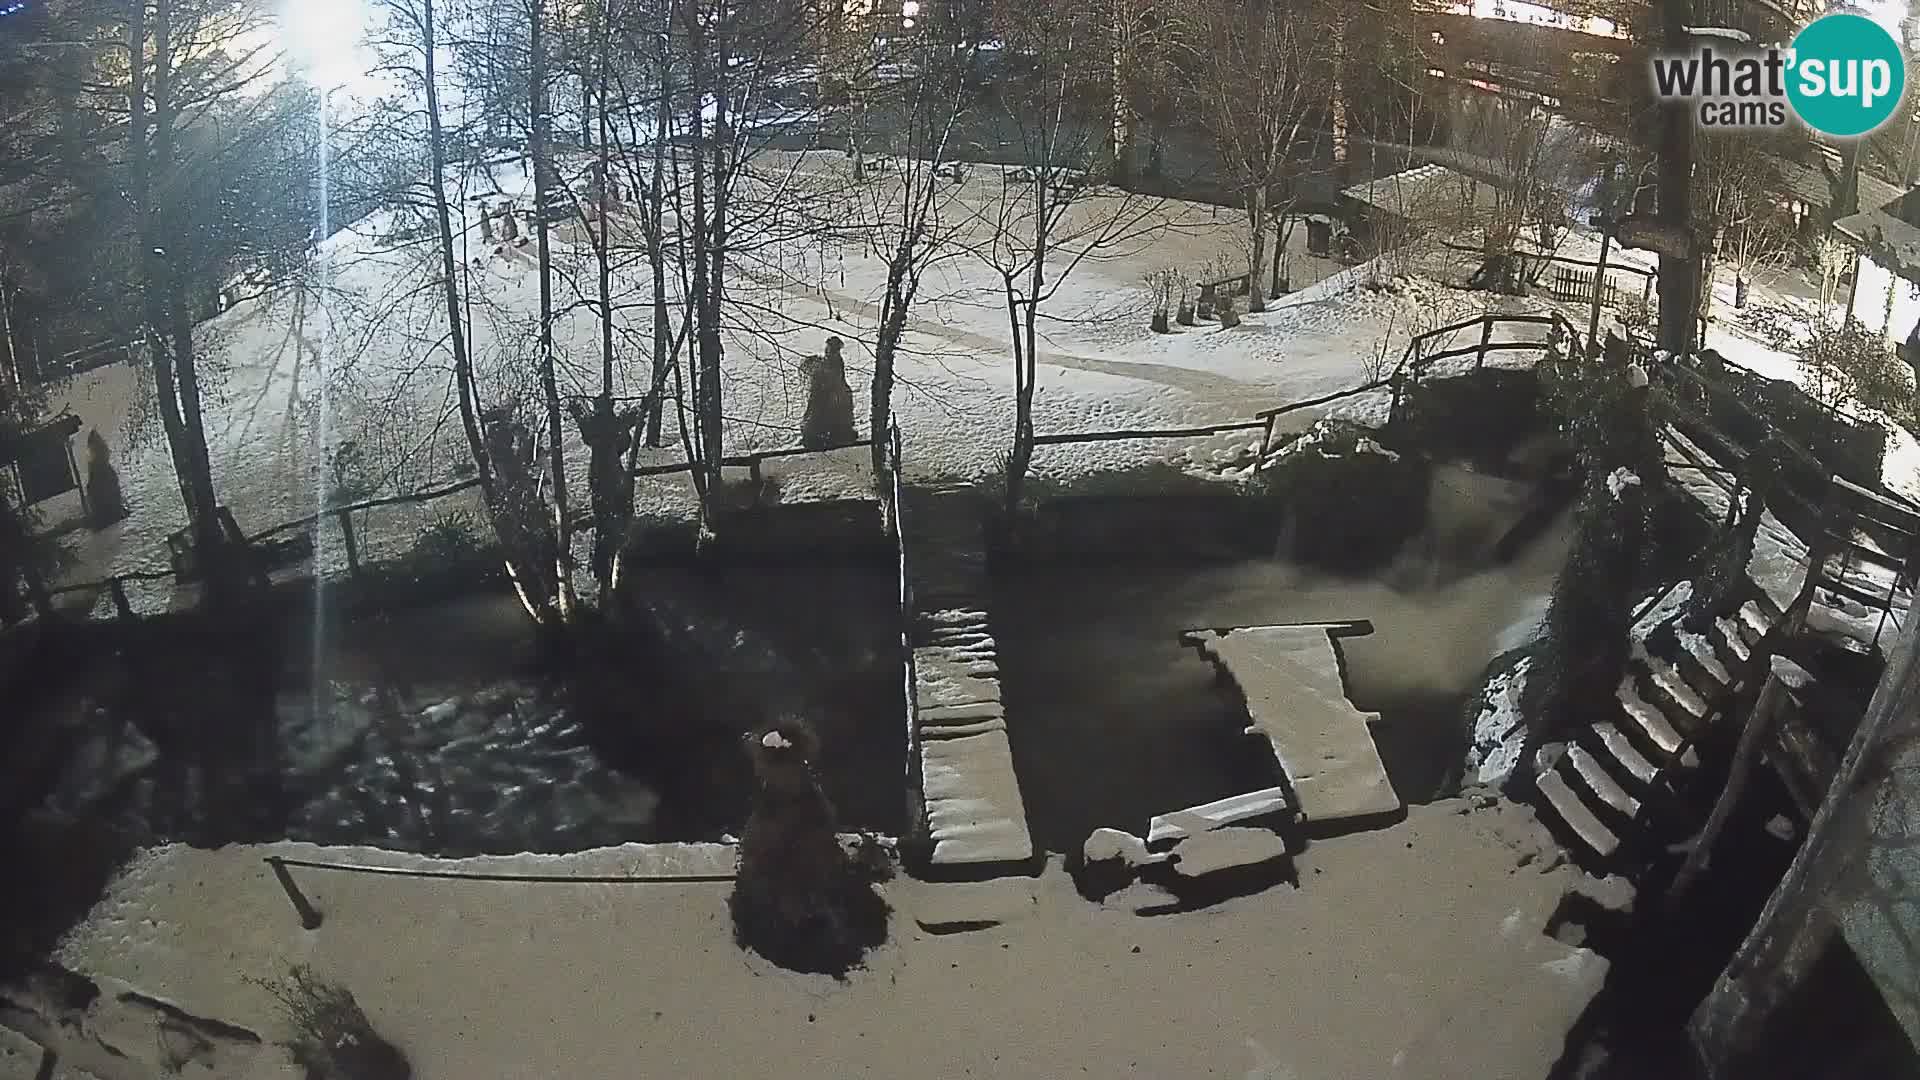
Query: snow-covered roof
1889	233
1812	185
1422	191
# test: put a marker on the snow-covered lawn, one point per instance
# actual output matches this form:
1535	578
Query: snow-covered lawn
1413	951
361	357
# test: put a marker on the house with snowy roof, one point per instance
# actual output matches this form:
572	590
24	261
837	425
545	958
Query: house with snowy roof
1885	294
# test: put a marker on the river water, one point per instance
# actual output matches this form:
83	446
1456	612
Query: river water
438	729
1113	720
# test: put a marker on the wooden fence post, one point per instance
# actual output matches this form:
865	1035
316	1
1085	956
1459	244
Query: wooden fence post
1486	336
118	588
309	915
345	518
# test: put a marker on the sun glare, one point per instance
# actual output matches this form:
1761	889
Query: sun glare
325	40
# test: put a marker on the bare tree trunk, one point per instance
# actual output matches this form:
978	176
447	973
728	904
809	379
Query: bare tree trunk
169	322
711	348
540	134
1120	130
706	388
1025	316
1678	284
140	158
532	595
657	240
893	322
1256	254
10	379
1280	236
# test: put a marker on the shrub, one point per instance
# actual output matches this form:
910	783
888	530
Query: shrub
332	1038
1584	650
450	539
799	898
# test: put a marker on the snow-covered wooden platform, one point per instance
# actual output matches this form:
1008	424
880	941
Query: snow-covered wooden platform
1297	700
973	812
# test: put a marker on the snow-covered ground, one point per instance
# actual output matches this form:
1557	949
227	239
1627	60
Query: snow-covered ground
360	356
1412	951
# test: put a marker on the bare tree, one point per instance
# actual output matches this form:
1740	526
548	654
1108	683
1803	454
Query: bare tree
538	148
1047	218
500	450
193	56
1256	74
911	220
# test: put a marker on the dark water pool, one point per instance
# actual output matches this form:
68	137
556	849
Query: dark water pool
1112	720
440	730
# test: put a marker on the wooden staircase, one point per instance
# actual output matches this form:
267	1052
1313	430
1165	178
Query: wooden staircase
1610	791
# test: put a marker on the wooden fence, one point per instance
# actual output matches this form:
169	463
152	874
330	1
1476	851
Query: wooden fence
115	585
1422	352
1413	366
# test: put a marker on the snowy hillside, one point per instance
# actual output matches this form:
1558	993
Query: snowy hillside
361	356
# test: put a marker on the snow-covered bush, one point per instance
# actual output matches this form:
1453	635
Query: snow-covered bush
1495	720
332	1039
1347	502
1583	652
1584	649
1851	365
799	898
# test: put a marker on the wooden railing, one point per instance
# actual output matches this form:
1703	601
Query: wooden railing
1828	519
115	584
1420	354
1413	365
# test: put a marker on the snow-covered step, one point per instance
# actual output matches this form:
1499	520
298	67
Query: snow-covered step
1754	621
1594	774
973	805
1703	653
1668	679
969	637
1647	718
1624	752
1566	805
1731	638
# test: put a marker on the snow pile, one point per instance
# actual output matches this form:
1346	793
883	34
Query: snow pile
1330	438
1620	479
1499	731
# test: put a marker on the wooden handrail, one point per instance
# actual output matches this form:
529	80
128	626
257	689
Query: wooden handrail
369	504
1060	438
1308	403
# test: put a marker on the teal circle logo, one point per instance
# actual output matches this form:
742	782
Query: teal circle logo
1846	75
